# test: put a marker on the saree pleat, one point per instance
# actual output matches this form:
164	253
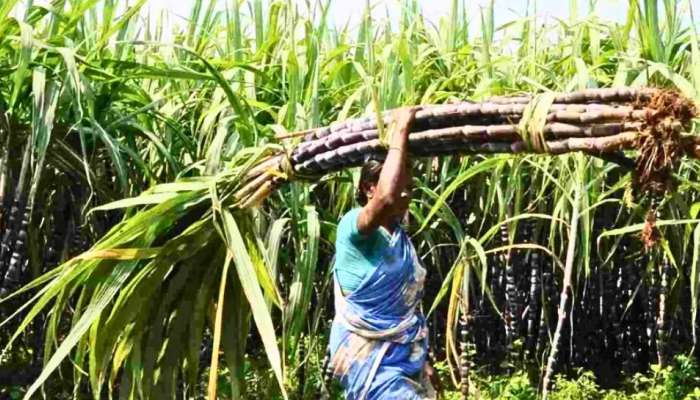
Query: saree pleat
379	338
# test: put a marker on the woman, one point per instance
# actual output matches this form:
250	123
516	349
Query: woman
379	339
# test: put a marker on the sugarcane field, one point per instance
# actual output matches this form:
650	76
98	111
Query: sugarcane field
364	200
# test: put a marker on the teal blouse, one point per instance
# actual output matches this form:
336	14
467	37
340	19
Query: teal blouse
357	255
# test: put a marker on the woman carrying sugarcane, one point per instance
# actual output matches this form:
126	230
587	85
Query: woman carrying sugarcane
379	339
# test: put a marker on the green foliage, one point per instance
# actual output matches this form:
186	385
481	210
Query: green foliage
582	388
682	379
515	387
677	382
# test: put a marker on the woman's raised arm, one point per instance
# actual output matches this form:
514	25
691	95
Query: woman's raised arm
382	206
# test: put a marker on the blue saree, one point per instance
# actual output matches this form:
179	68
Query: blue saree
379	338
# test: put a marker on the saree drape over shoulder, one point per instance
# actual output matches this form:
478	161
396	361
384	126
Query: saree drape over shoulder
379	338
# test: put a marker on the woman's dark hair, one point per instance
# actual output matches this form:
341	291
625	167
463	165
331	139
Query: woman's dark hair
369	175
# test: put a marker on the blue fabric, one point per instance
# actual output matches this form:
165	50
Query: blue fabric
357	255
379	339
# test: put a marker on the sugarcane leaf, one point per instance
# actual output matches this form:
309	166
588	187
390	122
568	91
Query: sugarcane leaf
215	149
25	58
196	333
190	185
5	9
235	330
134	69
265	277
481	254
462	178
52	289
246	273
695	57
179	278
73	76
119	25
488	235
620	79
445	286
120	254
214	366
455	270
639	227
98	303
40	281
685	86
121	353
274	241
452	311
529	246
446	214
21	309
142	200
114	151
301	289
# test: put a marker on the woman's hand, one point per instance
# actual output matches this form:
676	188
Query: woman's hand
386	203
432	376
403	119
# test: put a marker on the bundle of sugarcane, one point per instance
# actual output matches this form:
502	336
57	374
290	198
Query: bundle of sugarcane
600	122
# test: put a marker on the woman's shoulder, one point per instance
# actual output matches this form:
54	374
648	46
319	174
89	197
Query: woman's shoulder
349	219
350	215
347	227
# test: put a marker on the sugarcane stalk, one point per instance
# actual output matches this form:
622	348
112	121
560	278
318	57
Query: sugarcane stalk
565	293
326	375
543	336
5	136
617	310
636	335
561	125
464	355
511	314
625	333
486	113
662	320
491	326
533	309
602	130
4	170
16	266
12	229
353	155
435	115
58	225
586	95
651	312
301	371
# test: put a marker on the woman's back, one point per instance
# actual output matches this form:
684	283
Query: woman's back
357	255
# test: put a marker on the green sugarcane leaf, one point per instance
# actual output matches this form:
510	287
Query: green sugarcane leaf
214	366
235	329
25	58
120	254
142	200
246	273
458	181
638	227
119	25
101	299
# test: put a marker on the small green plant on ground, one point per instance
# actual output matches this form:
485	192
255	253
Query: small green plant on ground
679	381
